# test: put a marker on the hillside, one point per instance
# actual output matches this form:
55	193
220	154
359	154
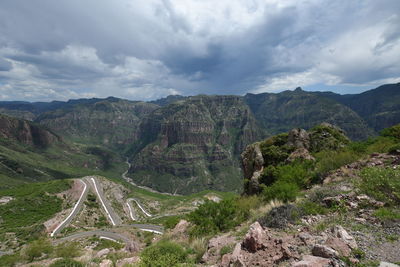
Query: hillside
380	107
290	109
194	145
110	122
31	153
195	142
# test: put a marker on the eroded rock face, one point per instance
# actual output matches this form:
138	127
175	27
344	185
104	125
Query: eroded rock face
194	144
253	165
25	132
299	138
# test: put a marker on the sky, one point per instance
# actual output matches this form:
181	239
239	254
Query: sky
148	49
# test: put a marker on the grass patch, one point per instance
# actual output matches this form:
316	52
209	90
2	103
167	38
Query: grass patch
383	184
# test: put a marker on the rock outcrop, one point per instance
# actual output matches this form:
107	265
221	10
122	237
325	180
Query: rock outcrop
297	144
26	132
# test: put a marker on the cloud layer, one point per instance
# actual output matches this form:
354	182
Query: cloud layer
148	49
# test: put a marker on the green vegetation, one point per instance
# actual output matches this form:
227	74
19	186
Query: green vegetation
67	263
37	248
67	250
104	243
32	205
387	214
163	254
383	184
211	217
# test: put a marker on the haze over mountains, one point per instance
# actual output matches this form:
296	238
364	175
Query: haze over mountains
188	144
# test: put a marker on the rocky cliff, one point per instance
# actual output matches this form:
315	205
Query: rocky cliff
26	132
111	122
194	145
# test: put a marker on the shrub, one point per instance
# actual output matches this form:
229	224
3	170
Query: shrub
171	221
225	250
393	132
163	254
281	190
280	217
212	217
37	249
67	263
67	250
381	183
312	208
332	160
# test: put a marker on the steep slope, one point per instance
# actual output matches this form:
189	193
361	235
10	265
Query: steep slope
379	107
290	109
112	122
31	153
192	145
26	133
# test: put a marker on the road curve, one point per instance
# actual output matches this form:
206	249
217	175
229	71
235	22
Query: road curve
112	215
131	211
149	228
129	180
140	206
99	233
74	212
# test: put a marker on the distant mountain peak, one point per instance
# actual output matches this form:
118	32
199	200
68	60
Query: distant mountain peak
298	89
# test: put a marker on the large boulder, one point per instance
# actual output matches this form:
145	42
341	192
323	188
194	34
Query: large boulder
299	138
254	238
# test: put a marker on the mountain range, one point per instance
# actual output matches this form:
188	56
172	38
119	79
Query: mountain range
184	144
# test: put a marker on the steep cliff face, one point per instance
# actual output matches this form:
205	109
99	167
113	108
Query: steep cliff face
194	145
111	122
290	109
26	132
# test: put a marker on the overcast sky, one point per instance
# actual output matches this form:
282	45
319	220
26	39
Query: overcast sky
147	49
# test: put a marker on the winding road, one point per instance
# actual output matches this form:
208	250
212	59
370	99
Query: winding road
100	233
116	221
112	215
74	212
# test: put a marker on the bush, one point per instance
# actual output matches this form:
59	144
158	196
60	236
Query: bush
280	217
67	250
212	217
383	184
281	190
163	254
331	160
312	208
67	263
171	221
393	132
37	249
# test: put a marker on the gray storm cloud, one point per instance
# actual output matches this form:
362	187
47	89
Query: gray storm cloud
149	49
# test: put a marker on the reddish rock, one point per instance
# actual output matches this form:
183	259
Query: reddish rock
312	261
254	238
339	245
324	251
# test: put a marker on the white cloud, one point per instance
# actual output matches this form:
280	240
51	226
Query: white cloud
148	49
